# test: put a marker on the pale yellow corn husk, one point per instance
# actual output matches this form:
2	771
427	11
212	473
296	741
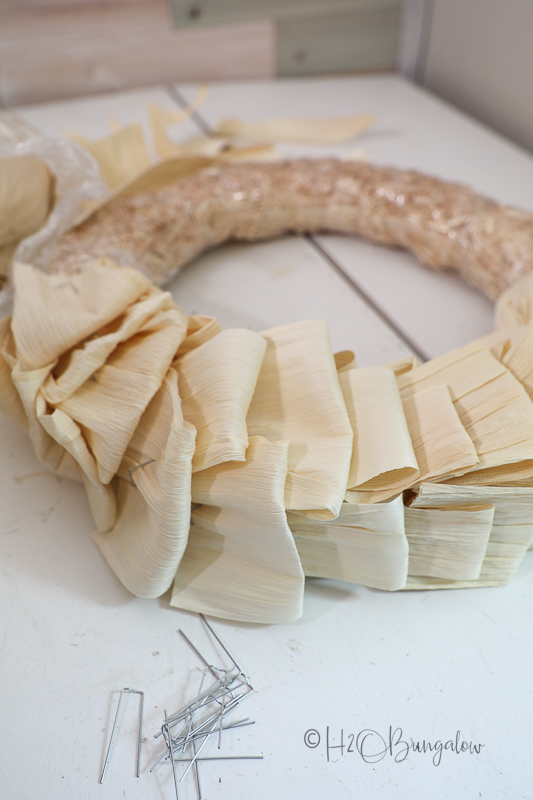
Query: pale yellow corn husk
518	474
199	330
121	156
83	409
403	365
198	145
298	398
492	405
254	153
7	251
161	118
500	342
448	543
110	406
10	403
366	544
147	542
154	310
221	149
161	174
67	434
315	131
415	583
26	199
156	176
512	527
51	453
179	164
359	154
344	360
52	313
241	561
515	305
442	446
383	461
28	386
216	383
519	359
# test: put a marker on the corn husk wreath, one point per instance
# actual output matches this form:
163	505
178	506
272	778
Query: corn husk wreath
295	461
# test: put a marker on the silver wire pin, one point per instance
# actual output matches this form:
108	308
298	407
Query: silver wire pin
132	469
139	738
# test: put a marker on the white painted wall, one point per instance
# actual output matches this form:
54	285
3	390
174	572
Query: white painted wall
479	55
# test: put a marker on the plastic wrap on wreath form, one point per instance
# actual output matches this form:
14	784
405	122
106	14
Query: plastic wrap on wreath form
65	175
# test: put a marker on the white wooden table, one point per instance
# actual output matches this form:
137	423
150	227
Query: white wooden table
430	663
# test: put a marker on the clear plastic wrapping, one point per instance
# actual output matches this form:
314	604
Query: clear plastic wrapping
77	181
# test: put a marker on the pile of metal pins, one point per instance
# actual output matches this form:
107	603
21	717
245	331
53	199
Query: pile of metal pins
186	732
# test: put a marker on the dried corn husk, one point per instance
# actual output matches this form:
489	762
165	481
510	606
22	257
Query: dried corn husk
155	310
121	156
6	256
147	542
241	561
216	383
52	454
10	403
493	407
344	360
315	131
251	154
403	365
199	330
298	398
383	462
221	150
128	332
83	406
26	199
366	544
448	543
52	313
519	359
109	406
511	533
67	434
500	342
103	385
359	154
442	447
208	146
151	179
515	305
27	384
161	118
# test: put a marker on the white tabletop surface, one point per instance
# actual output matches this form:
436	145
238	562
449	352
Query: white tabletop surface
430	663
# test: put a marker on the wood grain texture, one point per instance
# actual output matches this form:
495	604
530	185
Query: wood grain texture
52	53
18	5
